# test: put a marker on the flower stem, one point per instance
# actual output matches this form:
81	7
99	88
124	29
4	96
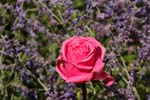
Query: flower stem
128	76
84	91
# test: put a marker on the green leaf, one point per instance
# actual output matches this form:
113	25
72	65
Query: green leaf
129	57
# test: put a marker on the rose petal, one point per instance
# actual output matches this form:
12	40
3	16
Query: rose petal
88	63
77	50
99	65
89	57
76	75
61	69
65	46
98	44
109	81
102	52
92	62
103	76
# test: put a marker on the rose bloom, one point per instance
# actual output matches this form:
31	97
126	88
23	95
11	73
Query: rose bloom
81	60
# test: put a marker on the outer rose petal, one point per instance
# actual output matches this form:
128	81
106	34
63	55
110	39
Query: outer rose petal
70	73
65	46
60	68
99	65
98	73
109	80
104	76
76	75
98	44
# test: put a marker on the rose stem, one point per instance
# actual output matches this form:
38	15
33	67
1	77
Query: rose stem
84	91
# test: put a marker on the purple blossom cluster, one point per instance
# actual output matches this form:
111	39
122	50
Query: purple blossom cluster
31	33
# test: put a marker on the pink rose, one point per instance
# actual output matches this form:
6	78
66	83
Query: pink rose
81	60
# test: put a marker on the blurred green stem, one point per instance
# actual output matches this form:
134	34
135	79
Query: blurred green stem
44	87
78	94
2	73
126	71
125	67
39	81
59	20
2	76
